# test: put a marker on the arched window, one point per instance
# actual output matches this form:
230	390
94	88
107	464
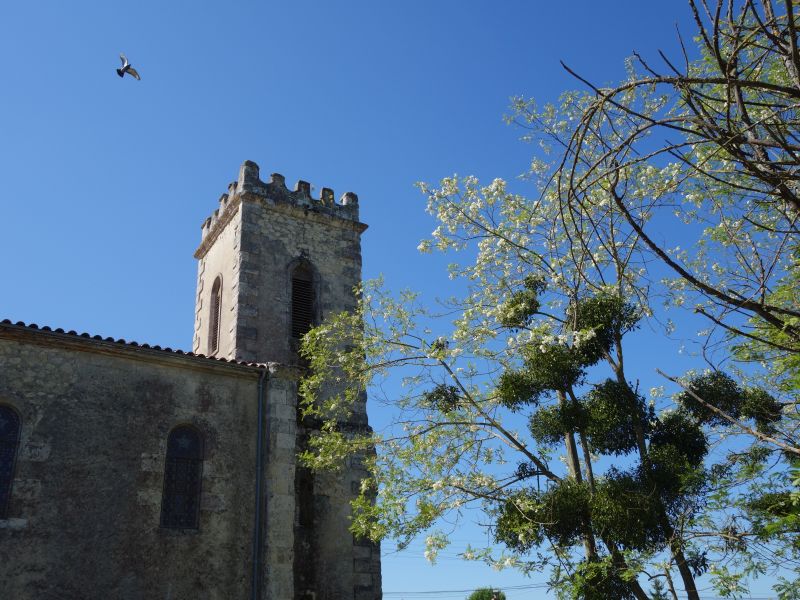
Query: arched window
302	300
180	503
214	316
9	440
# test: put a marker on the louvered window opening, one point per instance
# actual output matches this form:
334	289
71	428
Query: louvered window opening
180	504
302	305
216	313
9	441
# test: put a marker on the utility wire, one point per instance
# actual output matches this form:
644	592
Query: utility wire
510	588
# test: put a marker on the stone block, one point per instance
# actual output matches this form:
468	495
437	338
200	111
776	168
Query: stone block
152	463
26	489
35	451
14	524
212	503
362	565
363	580
285	441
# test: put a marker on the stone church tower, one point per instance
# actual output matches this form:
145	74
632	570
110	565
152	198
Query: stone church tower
272	251
272	263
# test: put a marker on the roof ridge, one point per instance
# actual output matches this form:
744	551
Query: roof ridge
129	344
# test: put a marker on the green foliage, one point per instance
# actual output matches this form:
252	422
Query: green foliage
519	310
717	389
612	410
549	424
559	514
760	406
516	389
445	398
658	592
774	504
556	367
772	345
553	368
600	580
487	593
679	431
786	589
673	477
516	525
626	510
778	512
608	317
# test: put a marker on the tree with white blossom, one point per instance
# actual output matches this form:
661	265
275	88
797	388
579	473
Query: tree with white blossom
514	396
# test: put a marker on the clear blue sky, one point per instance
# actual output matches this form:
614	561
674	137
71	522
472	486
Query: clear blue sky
104	182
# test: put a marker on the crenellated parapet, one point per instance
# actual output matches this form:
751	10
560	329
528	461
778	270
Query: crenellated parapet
249	186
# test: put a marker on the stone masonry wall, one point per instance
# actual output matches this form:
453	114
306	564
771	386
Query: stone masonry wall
85	509
278	566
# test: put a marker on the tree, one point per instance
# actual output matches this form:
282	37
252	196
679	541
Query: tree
486	594
534	363
659	593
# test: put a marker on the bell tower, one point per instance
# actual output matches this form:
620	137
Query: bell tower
273	263
282	259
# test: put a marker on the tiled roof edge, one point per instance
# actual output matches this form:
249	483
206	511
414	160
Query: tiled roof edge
131	344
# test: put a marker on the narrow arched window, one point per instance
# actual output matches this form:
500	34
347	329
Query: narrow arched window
180	503
214	317
9	440
302	300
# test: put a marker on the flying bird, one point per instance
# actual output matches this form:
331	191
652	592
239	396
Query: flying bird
127	68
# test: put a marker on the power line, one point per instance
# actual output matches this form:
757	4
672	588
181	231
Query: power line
510	588
439	592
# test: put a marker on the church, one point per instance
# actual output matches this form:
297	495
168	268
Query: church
130	471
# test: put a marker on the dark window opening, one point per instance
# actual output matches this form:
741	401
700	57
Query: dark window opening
180	503
214	317
302	301
9	440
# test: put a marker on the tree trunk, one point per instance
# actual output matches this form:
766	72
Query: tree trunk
573	461
574	466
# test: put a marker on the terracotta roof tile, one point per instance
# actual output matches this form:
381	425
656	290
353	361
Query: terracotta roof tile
122	342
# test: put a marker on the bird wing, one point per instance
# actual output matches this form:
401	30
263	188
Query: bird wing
132	71
123	59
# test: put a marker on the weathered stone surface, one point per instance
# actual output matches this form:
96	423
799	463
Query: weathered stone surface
87	491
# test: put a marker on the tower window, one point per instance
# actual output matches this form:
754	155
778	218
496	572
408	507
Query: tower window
9	440
302	301
214	316
180	503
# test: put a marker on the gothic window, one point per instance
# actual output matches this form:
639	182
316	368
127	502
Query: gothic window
214	317
302	301
180	503
9	439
